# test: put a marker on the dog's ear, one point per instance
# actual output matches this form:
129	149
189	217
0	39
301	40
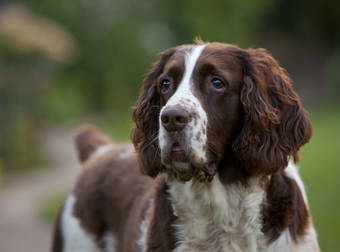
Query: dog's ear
87	140
275	125
145	115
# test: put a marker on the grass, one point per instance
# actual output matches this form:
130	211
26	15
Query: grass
49	208
320	170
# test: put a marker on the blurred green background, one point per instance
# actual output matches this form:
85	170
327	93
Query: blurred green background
70	61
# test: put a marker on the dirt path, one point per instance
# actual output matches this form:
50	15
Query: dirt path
21	195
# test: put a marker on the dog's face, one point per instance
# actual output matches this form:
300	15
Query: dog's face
199	90
198	101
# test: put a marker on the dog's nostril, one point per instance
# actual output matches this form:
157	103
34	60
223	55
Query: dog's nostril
165	119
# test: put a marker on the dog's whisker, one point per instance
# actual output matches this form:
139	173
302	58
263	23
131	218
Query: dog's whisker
152	141
211	148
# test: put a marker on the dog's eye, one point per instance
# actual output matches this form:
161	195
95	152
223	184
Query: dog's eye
165	85
217	84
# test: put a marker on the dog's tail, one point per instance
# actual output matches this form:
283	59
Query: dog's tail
87	140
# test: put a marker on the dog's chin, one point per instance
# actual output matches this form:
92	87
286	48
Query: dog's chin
179	167
186	171
182	171
181	164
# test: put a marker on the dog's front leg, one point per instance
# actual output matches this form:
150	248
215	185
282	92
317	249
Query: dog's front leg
159	221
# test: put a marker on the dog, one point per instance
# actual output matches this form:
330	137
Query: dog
217	132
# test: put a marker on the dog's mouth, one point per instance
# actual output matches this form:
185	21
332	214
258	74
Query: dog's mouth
178	153
179	162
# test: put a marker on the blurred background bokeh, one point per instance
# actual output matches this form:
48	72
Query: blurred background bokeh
66	62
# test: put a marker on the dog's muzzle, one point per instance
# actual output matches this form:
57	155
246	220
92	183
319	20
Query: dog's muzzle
177	151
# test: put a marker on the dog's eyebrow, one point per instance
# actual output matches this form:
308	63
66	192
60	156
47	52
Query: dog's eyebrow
175	70
205	67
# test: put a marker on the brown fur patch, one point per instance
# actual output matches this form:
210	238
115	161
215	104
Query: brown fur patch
284	208
100	204
160	236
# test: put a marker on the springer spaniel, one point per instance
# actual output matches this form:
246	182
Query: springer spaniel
216	126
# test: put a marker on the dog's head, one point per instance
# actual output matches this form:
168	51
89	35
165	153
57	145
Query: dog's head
201	102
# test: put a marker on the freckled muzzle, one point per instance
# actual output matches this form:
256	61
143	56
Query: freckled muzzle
180	140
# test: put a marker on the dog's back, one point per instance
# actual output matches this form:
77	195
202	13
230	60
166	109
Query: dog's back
99	210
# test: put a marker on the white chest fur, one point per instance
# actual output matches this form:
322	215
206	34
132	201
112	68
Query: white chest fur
214	218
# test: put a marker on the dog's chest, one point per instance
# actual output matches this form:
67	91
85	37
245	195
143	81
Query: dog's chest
214	218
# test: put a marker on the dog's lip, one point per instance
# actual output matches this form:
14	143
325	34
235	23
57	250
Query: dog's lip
177	148
178	153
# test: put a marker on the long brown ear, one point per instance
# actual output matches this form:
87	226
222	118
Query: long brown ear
144	135
276	124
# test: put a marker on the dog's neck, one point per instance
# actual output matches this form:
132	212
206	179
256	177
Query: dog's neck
217	217
231	170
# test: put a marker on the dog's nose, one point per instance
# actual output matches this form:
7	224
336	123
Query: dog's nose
174	118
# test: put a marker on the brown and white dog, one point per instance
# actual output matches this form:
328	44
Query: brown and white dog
216	126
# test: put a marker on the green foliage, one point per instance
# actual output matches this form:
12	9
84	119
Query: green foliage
332	75
117	124
19	112
117	41
118	38
64	99
315	22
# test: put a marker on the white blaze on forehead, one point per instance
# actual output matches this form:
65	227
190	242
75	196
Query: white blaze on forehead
185	87
184	96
